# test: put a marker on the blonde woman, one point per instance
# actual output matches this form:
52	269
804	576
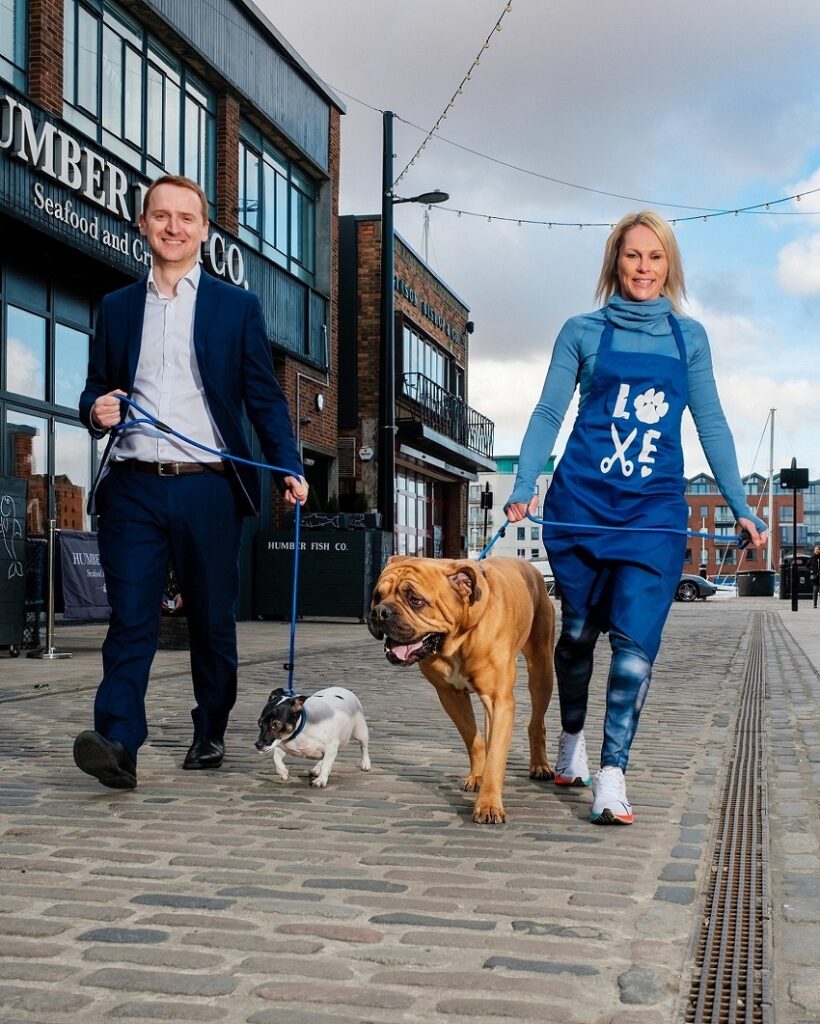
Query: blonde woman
638	363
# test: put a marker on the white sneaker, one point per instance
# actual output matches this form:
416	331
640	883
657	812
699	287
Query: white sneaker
609	805
571	768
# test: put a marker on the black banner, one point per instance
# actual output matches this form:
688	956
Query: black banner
81	576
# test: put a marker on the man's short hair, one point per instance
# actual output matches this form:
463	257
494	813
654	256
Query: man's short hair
180	181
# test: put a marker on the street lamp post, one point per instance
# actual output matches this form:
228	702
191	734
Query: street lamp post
387	361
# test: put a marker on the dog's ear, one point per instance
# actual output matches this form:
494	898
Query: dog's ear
298	701
276	694
465	582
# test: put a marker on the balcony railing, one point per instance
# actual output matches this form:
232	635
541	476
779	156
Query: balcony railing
448	414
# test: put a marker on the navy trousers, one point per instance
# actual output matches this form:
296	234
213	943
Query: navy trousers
145	521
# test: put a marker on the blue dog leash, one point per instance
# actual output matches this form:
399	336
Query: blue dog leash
148	418
743	537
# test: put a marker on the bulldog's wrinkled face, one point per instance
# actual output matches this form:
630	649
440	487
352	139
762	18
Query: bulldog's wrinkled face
418	602
280	716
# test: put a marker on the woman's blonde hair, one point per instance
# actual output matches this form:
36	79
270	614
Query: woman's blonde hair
608	283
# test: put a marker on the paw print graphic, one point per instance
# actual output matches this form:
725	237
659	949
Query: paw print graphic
651	406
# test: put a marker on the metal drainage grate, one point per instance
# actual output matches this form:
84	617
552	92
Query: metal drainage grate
731	978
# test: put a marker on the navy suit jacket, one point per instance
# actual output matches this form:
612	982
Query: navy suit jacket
235	363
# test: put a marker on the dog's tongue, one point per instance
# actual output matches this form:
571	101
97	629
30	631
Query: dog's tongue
404	651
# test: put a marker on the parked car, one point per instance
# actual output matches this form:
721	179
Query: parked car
694	588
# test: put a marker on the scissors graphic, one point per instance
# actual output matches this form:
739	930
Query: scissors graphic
627	465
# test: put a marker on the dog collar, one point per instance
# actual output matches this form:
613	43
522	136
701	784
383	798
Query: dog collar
299	727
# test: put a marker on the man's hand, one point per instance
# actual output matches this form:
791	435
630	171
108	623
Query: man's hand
756	540
106	412
296	489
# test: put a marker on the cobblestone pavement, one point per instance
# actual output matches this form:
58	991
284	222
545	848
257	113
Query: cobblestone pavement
232	896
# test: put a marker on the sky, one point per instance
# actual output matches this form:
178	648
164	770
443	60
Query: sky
683	107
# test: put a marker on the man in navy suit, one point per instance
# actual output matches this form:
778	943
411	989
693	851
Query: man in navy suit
193	351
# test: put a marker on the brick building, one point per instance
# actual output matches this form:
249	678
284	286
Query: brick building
708	512
99	97
441	443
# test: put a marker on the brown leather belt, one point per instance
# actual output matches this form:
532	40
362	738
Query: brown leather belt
168	468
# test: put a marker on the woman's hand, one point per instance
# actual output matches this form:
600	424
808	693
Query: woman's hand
756	538
515	513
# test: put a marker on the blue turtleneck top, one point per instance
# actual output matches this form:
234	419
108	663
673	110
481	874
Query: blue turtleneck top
639	327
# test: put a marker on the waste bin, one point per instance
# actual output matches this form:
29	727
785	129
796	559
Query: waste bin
803	580
756	583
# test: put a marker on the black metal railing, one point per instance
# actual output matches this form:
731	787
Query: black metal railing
448	414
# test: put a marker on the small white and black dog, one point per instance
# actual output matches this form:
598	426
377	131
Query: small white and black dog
318	726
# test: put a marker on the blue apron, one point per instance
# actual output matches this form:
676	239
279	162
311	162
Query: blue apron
623	467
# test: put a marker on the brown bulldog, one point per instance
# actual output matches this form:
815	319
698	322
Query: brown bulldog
464	623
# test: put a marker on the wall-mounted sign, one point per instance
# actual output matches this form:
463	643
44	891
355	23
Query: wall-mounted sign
365	454
403	289
86	194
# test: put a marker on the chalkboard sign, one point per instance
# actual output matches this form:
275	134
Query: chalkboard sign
13	492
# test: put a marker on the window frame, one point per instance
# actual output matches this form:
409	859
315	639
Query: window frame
276	178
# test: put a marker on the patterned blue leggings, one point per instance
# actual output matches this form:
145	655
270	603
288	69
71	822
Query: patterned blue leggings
629	677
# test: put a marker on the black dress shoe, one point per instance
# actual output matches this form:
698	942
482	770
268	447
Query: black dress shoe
204	753
107	760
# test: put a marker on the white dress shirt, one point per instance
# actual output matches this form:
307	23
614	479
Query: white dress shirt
168	383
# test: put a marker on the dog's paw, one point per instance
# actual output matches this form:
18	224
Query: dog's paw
472	784
318	782
284	775
541	772
488	813
365	766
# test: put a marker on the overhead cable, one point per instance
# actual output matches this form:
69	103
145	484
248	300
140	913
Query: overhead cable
757	208
458	92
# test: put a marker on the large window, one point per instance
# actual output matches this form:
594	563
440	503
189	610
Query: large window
421	356
13	42
44	344
277	206
122	87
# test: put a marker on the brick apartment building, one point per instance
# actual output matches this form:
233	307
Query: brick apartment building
441	443
96	100
708	512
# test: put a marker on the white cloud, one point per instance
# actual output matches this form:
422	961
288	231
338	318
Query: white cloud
798	266
25	368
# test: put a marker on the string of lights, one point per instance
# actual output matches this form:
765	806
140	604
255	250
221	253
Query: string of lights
755	208
704	212
458	92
